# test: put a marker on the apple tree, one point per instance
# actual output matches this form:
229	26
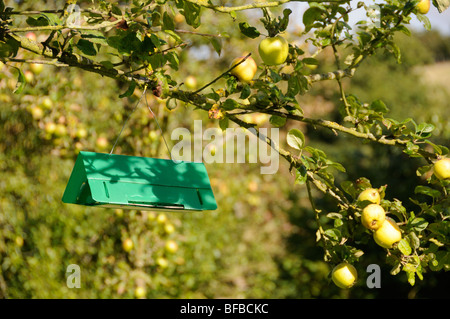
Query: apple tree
140	45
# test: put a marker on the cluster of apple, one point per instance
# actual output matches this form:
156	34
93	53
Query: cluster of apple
272	50
385	230
170	245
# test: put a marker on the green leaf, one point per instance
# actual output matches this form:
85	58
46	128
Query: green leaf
223	123
20	82
418	224
424	19
295	139
310	16
277	121
333	234
300	175
192	14
310	61
248	30
129	91
441	5
217	45
404	247
379	106
425	190
87	47
168	23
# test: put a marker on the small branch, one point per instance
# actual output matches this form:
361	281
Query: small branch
221	75
103	25
49	62
255	5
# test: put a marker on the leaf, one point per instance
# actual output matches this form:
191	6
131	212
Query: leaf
425	190
310	16
419	224
333	234
20	82
404	247
310	61
300	175
379	106
223	123
192	14
441	5
424	19
295	139
277	121
87	47
168	23
129	91
248	30
217	45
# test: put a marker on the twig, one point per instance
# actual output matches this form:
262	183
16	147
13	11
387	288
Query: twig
221	75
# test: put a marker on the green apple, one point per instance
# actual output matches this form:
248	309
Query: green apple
442	168
344	275
388	234
244	71
274	50
373	216
423	6
60	129
50	127
371	195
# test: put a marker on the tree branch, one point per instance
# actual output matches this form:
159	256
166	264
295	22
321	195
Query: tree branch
254	5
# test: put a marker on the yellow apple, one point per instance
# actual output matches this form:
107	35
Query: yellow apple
388	234
127	245
37	112
47	103
169	228
171	246
50	127
442	168
373	216
244	71
29	76
140	292
344	275
161	219
162	262
36	68
371	195
191	82
423	6
101	142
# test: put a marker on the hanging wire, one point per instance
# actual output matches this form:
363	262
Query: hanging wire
125	123
157	123
154	117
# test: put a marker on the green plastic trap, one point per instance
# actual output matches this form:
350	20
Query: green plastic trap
129	182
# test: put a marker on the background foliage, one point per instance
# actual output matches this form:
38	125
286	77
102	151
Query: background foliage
261	242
